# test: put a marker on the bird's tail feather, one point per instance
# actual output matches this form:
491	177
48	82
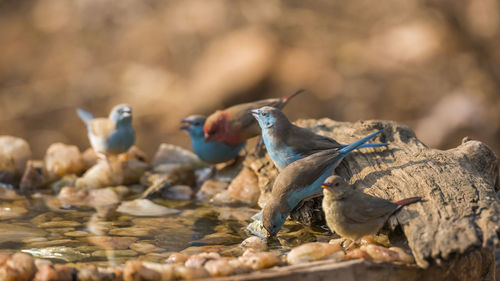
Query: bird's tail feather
370	145
407	201
284	100
84	115
345	150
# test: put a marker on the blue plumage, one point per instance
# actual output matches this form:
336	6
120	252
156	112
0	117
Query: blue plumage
213	151
287	143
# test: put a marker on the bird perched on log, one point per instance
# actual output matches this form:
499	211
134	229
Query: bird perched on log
212	151
112	135
354	214
287	143
302	180
235	124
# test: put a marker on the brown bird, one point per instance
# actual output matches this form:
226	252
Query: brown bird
236	124
354	214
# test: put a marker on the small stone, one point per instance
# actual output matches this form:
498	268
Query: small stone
10	210
190	273
255	243
145	248
134	271
14	153
179	192
217	239
33	177
223	198
259	260
313	251
59	224
144	207
13	233
57	272
222	267
357	254
403	256
134	231
114	253
110	242
166	271
20	267
199	260
89	158
61	253
52	243
61	159
202	249
76	234
61	229
245	187
104	173
379	253
177	258
171	154
210	188
92	273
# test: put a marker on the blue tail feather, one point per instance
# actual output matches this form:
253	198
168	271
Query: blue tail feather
369	145
84	115
347	149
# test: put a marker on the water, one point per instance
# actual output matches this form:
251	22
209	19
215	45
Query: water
77	235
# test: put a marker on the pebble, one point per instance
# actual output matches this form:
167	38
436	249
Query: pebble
166	271
380	254
259	260
110	242
403	256
145	248
177	258
57	272
190	273
198	260
222	267
62	253
14	153
61	159
59	224
76	234
245	187
314	251
110	254
33	177
223	198
93	273
13	233
18	267
179	192
135	271
357	254
52	243
210	188
217	239
145	207
171	154
255	243
134	231
10	210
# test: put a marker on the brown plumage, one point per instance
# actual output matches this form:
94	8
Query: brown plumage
354	214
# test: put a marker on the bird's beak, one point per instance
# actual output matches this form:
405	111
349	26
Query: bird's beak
127	112
207	137
185	125
324	186
255	112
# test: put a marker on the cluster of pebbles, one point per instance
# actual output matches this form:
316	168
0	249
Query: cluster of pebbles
72	216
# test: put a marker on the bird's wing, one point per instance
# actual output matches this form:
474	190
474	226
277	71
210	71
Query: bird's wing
84	115
364	207
302	173
241	120
102	127
305	142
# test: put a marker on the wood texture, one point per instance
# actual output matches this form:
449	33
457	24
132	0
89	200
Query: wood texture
460	214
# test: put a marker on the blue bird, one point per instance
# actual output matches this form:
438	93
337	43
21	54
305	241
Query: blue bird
212	151
110	136
287	143
302	180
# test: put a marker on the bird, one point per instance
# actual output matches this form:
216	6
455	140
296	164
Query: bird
212	151
112	135
235	124
302	180
354	214
286	142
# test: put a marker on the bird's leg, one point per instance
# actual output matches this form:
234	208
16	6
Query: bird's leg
350	245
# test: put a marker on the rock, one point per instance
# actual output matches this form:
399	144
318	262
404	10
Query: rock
314	251
57	272
33	177
14	233
259	260
179	192
222	267
145	248
245	187
190	273
104	173
135	271
89	158
76	234
382	254
254	242
14	209
403	256
223	198
14	152
7	192
166	271
61	253
18	267
170	173
111	243
177	258
171	154
112	254
217	239
61	159
67	180
50	224
199	260
134	231
144	207
210	188
133	170
70	196
52	243
92	273
357	254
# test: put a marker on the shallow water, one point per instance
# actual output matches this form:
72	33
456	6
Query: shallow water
77	235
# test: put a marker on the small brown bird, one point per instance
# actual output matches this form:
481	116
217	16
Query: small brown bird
354	214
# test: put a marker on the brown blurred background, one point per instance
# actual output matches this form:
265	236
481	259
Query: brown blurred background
433	65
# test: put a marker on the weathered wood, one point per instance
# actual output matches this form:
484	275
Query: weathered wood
460	213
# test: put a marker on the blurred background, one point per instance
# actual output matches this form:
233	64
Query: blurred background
433	65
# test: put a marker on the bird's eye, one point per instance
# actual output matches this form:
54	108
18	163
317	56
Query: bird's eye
336	184
196	123
263	114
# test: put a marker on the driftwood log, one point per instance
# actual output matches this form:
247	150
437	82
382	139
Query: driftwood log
456	226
